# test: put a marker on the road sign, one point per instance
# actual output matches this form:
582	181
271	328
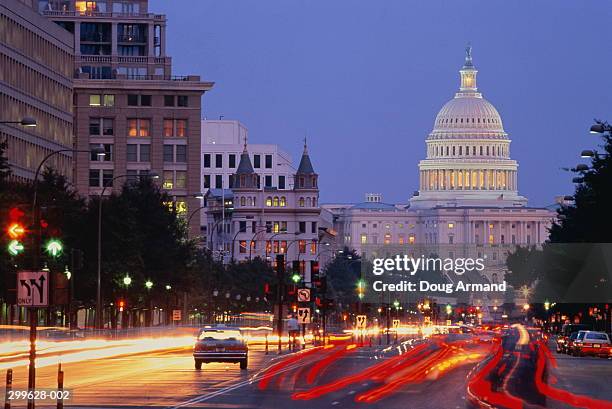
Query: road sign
303	315
303	295
176	315
362	321
396	323
33	288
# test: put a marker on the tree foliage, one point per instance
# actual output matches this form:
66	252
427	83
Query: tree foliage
342	273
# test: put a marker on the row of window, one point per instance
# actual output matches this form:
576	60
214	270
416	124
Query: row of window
172	179
232	160
279	246
218	179
138	127
460	150
432	238
108	100
141	152
467	120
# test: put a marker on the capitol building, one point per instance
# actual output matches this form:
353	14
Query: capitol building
467	202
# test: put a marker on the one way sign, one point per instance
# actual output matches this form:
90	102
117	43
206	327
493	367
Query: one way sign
33	288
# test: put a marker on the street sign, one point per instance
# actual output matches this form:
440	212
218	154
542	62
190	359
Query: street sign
303	315
176	315
362	320
33	288
303	295
396	323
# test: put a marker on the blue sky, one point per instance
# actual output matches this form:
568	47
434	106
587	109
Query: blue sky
365	79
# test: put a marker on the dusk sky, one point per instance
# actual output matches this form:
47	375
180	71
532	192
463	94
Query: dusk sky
365	80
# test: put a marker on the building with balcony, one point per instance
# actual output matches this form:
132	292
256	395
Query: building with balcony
127	101
36	60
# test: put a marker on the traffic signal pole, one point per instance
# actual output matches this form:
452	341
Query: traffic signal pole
280	276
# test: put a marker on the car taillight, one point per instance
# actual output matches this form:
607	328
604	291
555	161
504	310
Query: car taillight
587	344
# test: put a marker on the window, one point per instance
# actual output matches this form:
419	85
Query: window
132	152
301	202
108	152
181	153
168	182
168	100
268	201
132	100
181	179
268	181
207	160
411	239
168	153
94	126
302	246
168	127
302	227
94	100
268	161
243	247
109	100
451	225
450	239
145	153
145	100
276	201
181	128
94	178
182	100
491	239
139	127
364	239
283	201
313	227
107	177
387	239
219	181
232	160
256	161
206	181
108	126
218	160
281	182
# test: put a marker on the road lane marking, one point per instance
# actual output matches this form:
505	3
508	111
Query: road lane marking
231	388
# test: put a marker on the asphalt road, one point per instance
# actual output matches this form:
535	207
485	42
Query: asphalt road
445	372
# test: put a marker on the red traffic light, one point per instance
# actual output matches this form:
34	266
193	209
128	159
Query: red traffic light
15	230
15	213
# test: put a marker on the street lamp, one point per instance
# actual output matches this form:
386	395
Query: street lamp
582	167
168	287
149	284
99	286
127	280
600	127
26	121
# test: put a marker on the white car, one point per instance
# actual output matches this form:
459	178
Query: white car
220	344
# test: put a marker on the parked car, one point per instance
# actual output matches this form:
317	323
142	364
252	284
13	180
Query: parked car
592	343
566	347
220	344
565	333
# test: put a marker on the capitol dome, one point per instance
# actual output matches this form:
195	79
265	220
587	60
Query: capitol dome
468	114
468	159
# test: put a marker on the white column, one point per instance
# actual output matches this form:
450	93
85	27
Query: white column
151	39
77	38
447	179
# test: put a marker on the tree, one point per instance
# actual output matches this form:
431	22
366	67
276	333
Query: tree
523	267
343	272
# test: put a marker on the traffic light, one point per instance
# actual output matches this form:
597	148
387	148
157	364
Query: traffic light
296	278
54	247
121	305
314	271
15	230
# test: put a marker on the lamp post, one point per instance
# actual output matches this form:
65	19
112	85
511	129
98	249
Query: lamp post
99	278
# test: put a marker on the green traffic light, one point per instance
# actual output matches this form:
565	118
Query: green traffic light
54	247
296	278
15	247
